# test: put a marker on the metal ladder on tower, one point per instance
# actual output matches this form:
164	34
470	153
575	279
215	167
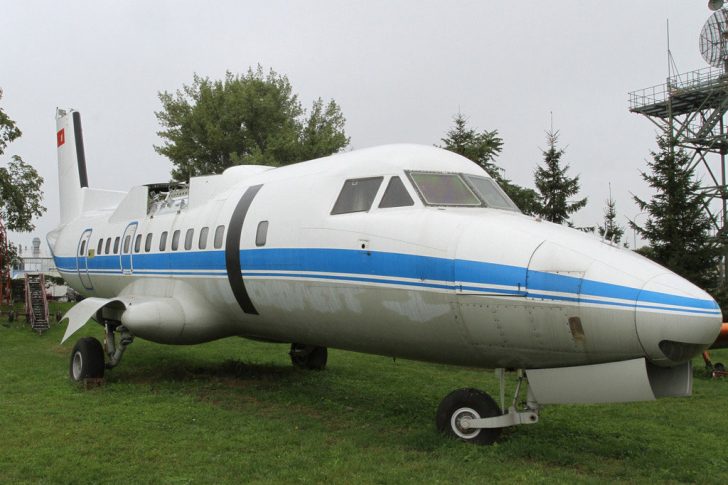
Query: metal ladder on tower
36	303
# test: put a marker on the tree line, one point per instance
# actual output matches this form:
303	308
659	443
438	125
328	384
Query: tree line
257	118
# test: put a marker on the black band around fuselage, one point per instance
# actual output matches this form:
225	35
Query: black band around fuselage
232	251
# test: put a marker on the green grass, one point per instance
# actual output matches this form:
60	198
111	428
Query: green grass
236	411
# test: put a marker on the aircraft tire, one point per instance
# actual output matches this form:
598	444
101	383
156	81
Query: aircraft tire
471	403
87	360
308	357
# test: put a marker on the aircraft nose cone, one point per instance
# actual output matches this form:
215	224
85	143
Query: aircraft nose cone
675	319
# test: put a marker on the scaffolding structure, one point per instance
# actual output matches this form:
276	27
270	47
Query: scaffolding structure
691	110
5	297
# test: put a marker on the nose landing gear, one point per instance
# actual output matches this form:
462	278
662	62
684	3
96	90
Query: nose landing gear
473	416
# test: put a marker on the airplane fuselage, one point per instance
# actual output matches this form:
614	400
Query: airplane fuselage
268	254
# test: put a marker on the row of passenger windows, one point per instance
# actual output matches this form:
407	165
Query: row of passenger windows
261	236
105	247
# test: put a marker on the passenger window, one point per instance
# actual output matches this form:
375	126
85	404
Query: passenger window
148	243
219	232
188	238
262	233
108	245
137	243
357	195
163	241
98	248
175	240
116	245
396	195
202	243
127	242
82	251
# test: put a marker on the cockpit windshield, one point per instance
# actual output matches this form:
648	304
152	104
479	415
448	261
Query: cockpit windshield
444	189
460	190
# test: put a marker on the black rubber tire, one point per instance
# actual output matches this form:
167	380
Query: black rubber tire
309	357
88	357
468	402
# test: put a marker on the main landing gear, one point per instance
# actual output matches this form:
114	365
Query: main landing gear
308	356
89	359
473	416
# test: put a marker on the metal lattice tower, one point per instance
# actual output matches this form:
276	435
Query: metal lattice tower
691	109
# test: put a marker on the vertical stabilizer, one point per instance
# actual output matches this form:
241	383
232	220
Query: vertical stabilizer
72	176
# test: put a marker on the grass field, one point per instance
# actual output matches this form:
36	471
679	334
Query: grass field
235	411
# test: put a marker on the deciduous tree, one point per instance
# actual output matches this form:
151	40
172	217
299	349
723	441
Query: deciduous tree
254	118
21	192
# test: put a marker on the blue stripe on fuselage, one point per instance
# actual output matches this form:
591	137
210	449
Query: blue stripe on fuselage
382	264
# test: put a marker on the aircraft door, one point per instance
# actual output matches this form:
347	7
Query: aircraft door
127	245
553	288
556	273
82	259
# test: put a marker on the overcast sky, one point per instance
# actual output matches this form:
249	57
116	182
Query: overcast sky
399	70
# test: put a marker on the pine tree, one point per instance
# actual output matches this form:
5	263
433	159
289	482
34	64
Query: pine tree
483	148
554	187
677	227
610	230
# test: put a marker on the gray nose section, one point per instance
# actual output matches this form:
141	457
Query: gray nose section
675	319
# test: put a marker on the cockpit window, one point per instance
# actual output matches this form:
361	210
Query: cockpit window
460	190
492	195
357	195
396	195
444	189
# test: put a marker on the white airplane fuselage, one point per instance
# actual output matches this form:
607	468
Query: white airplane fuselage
473	286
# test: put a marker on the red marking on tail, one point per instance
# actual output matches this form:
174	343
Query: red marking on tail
61	137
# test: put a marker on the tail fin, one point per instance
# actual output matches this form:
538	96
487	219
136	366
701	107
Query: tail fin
72	176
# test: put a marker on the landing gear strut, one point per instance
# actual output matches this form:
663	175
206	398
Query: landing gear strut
88	355
473	416
308	356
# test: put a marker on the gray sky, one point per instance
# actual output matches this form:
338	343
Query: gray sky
399	71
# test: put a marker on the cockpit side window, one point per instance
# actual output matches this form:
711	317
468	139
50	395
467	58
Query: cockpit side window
357	195
395	195
492	195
